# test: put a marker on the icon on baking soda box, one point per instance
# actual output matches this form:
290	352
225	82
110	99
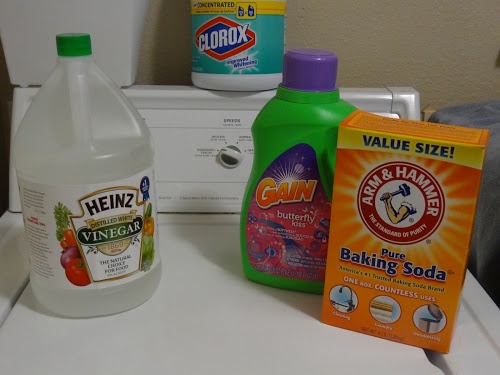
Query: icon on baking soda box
404	199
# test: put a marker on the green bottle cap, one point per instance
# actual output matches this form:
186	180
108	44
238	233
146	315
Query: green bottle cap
73	45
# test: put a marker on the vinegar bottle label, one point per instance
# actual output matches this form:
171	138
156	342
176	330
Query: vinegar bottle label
91	236
288	218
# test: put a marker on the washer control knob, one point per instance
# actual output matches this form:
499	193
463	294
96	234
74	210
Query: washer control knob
230	156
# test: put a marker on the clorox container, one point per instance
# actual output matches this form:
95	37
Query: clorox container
285	216
237	46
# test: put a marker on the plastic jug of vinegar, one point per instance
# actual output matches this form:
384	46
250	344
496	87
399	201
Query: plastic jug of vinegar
84	162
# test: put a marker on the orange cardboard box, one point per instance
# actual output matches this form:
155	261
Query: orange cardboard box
404	199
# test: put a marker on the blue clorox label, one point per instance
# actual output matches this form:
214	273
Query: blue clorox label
237	37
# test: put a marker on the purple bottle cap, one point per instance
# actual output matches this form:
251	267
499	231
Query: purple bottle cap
310	70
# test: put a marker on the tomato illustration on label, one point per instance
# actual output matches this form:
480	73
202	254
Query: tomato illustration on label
76	272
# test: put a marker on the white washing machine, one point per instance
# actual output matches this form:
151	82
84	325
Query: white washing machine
205	317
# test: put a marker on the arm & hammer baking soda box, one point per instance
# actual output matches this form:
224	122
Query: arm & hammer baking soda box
404	199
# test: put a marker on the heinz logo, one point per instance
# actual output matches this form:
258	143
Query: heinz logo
221	38
269	193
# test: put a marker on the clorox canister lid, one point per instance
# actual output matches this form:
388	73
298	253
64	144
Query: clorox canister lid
73	44
310	70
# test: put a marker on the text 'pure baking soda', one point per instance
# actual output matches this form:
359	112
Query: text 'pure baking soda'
84	163
237	45
286	208
404	200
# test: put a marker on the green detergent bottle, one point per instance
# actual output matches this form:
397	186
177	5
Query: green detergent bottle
285	215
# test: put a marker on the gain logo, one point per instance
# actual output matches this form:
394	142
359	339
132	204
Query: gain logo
221	38
270	193
401	203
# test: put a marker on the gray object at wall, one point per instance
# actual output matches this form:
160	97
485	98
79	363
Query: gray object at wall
484	259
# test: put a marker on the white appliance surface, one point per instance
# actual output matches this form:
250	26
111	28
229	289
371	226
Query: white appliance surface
206	317
14	261
113	24
193	127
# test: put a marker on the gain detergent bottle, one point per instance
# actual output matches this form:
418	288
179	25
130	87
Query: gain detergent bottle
286	209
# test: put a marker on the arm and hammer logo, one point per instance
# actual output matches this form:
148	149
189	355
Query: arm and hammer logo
401	203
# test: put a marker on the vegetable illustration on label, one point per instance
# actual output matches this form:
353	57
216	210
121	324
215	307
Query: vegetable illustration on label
66	236
61	215
148	243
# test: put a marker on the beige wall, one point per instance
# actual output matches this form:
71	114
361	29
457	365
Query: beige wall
449	50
